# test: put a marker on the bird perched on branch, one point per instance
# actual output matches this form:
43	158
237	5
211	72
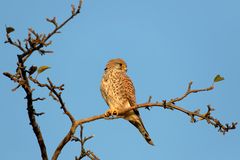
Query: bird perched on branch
118	91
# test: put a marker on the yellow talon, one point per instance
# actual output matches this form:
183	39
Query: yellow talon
115	112
111	112
107	113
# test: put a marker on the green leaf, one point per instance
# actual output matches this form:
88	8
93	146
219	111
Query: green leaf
218	78
9	29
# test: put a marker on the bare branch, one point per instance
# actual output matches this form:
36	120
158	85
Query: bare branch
39	99
91	155
12	77
66	21
64	141
83	151
165	104
15	88
16	44
55	94
39	114
171	105
40	40
24	83
189	91
35	42
73	9
53	21
149	100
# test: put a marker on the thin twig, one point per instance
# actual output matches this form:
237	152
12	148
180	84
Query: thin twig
39	99
55	94
83	151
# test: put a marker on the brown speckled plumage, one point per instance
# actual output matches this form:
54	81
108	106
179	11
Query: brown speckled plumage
118	91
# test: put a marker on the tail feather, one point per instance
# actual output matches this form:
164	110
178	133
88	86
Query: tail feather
137	122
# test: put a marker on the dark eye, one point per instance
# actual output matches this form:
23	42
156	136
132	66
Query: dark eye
120	64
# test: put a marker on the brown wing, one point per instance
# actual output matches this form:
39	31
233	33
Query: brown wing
129	90
134	116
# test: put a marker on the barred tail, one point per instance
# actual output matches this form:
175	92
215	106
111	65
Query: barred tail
137	122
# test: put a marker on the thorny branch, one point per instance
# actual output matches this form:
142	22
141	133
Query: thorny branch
23	77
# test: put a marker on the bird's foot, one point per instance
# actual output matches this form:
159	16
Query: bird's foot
111	112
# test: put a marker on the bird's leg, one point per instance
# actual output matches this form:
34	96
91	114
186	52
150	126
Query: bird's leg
111	112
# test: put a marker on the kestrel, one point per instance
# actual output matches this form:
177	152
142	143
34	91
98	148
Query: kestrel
118	91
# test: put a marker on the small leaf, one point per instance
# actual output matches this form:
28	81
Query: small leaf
218	78
32	70
9	29
42	69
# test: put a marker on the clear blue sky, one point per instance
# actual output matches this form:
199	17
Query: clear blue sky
165	43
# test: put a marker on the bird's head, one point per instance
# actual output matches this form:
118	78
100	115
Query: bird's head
118	64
